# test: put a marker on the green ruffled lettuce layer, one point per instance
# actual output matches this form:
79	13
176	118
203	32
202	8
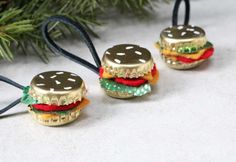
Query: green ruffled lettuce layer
26	98
114	86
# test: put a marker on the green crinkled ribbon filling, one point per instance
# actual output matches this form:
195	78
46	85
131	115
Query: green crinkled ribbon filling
26	98
114	86
208	45
193	49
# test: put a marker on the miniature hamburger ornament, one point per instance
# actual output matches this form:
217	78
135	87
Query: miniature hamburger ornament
54	98
184	46
59	97
126	70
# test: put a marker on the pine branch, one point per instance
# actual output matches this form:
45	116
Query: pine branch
21	20
10	31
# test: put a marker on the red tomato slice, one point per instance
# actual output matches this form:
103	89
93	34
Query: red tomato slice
101	70
134	82
45	107
208	53
154	70
130	82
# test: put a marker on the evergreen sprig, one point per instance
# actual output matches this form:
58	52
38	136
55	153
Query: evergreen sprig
20	21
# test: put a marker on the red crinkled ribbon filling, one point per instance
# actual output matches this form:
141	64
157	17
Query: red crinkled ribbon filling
208	53
135	82
45	107
130	82
101	70
154	70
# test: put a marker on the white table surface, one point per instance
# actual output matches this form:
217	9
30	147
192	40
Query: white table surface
189	117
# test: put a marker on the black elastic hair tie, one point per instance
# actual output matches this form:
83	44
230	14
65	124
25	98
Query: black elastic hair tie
85	37
17	85
176	10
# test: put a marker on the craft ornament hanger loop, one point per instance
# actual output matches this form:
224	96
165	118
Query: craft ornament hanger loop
17	85
126	70
176	11
85	37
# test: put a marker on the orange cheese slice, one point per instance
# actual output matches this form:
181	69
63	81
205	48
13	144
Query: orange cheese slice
191	56
155	79
83	104
152	79
106	75
47	116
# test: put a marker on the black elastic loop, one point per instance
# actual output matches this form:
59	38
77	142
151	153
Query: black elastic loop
176	10
11	105
11	82
84	35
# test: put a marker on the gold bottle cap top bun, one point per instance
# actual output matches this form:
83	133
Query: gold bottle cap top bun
176	36
127	60
57	88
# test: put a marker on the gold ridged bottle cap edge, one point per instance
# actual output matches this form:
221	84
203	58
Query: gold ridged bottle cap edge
180	66
176	36
56	120
58	99
127	61
117	94
171	44
129	72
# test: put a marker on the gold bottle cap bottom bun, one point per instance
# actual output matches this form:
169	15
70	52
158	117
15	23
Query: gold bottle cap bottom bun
53	119
121	95
181	66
